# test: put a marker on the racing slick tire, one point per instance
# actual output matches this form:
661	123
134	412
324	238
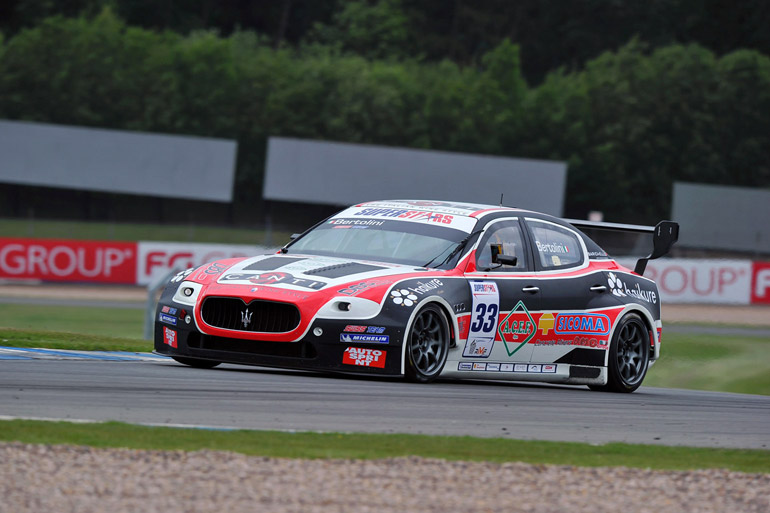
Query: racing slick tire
194	362
427	345
629	356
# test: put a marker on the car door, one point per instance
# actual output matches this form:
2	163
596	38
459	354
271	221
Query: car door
505	298
577	310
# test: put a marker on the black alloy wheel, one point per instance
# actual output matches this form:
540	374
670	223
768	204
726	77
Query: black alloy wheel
194	362
629	355
428	344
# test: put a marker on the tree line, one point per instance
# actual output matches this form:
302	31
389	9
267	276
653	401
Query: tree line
629	122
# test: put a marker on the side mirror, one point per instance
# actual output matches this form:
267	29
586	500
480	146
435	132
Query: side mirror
499	258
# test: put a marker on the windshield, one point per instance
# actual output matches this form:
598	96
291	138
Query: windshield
424	243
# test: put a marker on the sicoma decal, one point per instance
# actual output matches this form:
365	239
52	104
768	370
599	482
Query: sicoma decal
582	324
517	328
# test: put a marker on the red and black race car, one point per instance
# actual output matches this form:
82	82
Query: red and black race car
426	289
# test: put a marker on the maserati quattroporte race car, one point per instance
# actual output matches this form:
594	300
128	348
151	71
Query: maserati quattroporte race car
426	289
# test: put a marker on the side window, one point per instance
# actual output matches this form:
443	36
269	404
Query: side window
556	246
507	233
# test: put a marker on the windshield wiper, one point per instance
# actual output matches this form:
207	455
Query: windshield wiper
457	249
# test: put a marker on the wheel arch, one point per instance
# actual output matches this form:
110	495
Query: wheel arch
446	309
648	321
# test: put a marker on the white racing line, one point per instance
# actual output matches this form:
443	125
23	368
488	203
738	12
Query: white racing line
21	353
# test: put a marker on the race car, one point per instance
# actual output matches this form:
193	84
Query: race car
426	290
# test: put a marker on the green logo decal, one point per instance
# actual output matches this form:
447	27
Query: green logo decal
517	328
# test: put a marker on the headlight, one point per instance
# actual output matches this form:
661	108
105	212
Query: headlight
187	293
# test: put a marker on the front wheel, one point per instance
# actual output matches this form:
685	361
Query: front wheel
629	355
427	345
194	362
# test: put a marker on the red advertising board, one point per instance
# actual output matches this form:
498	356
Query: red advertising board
760	283
68	260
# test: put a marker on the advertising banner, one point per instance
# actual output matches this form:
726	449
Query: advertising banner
692	280
156	259
68	260
760	283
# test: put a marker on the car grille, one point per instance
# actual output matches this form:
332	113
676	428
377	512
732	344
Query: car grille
258	316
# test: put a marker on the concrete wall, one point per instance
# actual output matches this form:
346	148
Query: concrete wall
342	174
116	161
721	217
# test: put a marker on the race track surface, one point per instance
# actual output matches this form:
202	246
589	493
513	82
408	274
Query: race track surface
256	398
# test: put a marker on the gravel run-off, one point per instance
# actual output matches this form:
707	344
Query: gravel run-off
61	478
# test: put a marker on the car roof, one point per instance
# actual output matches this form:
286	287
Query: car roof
444	207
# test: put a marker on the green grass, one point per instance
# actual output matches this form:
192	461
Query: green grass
74	341
109	322
713	362
47	229
371	446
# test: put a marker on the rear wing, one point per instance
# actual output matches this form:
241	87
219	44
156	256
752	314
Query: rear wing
664	235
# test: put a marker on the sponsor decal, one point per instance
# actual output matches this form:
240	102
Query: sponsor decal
517	328
484	318
352	290
660	335
545	323
413	215
354	328
422	288
619	289
169	337
548	368
180	276
68	260
168	310
552	248
403	297
168	319
364	337
364	357
582	324
577	341
274	278
215	268
356	222
478	347
282	292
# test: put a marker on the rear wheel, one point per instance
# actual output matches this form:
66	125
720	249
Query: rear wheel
629	355
427	345
194	362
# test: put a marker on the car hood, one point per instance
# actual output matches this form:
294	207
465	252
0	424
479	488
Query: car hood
298	277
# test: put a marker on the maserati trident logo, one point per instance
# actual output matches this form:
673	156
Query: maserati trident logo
246	318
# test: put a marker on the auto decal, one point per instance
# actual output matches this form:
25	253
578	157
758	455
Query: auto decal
484	318
517	328
403	297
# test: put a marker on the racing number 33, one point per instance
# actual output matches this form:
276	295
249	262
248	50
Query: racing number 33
486	318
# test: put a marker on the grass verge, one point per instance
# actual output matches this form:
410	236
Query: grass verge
75	341
109	322
372	446
51	229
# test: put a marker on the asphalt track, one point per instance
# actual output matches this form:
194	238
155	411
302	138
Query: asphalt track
167	393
